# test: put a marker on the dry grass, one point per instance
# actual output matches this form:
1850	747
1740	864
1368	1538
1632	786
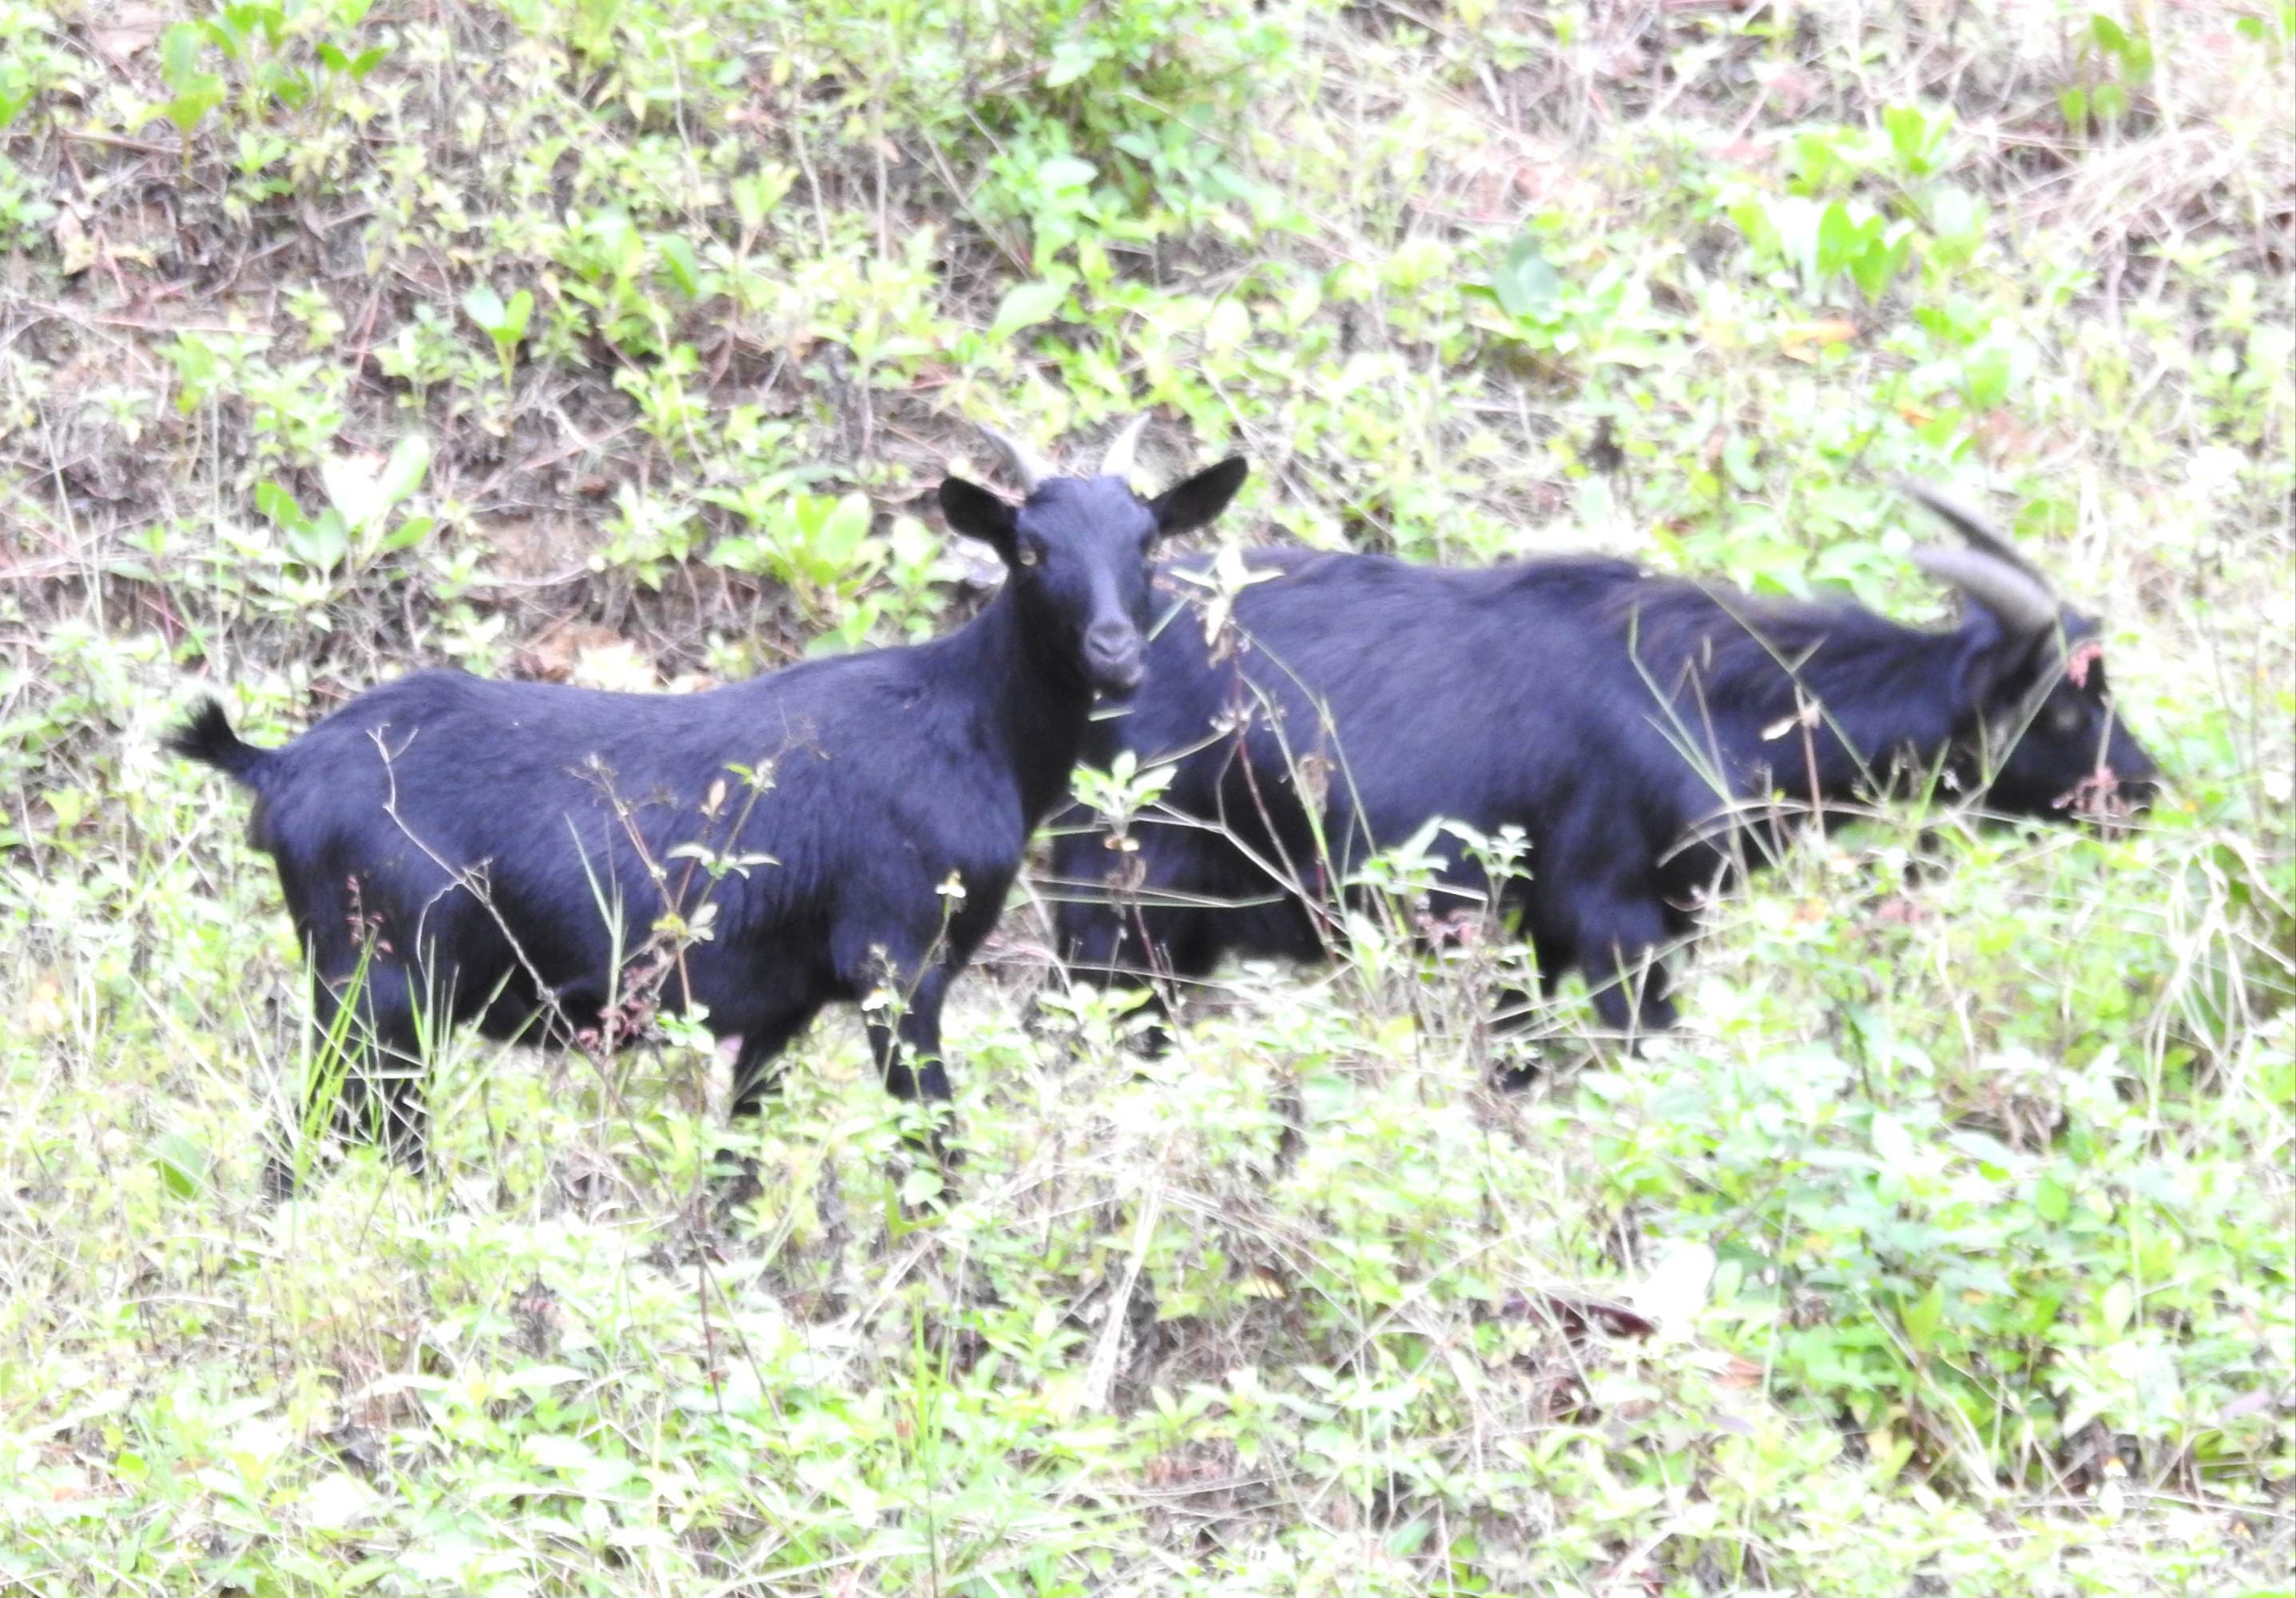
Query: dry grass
1959	1212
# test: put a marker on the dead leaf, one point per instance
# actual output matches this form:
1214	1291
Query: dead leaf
532	547
1577	1313
74	246
1801	341
553	655
130	29
45	1014
1676	1290
617	666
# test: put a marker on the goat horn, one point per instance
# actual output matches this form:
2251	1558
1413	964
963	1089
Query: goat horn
1029	468
1970	523
2024	605
1118	461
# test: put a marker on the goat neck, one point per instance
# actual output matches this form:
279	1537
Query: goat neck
1032	703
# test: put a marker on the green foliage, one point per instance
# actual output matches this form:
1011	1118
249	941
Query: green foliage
623	341
2113	61
504	322
357	519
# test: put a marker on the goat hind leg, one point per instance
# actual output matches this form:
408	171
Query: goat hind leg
363	1076
1619	944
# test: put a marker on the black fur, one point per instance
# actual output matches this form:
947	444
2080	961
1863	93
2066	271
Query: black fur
1635	727
504	852
207	737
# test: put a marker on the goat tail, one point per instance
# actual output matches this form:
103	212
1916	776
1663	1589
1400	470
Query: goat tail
208	738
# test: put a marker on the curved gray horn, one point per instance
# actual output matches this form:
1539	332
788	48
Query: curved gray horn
1028	467
1970	523
2025	607
1118	461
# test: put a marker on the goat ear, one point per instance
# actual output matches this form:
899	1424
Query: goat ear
2003	665
977	513
1199	499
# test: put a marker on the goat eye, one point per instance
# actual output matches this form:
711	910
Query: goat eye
1028	554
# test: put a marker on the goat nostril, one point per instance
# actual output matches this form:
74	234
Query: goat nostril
1112	642
1112	654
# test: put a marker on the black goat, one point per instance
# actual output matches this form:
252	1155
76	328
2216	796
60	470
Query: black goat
1639	730
559	859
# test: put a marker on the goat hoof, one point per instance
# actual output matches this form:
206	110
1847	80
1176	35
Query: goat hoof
735	1181
1519	1072
280	1180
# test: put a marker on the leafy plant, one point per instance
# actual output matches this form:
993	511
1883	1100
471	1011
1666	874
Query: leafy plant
823	548
504	322
358	521
1959	1204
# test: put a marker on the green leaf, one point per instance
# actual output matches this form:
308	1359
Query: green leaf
559	1453
1797	221
1958	218
541	1378
410	531
336	1502
1985	376
1905	124
1071	60
685	267
1837	238
484	307
1527	284
739	553
277	504
321	541
1893	1145
1873	267
186	110
843	530
352	488
1923	1317
181	1164
403	473
1025	305
2050	1201
922	1185
1229	326
179	54
1066	172
755	194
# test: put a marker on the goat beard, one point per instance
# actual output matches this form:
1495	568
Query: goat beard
2097	798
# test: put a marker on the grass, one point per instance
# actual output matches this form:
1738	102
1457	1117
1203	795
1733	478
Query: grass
1946	1250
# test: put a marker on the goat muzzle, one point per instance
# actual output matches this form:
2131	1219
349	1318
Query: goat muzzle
1113	658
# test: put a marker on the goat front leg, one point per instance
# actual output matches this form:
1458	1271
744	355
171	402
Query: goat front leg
907	1048
757	1068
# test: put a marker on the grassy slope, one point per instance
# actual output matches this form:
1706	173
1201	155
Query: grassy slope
1994	1160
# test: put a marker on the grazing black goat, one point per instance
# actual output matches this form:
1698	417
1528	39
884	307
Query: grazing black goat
554	861
1640	730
